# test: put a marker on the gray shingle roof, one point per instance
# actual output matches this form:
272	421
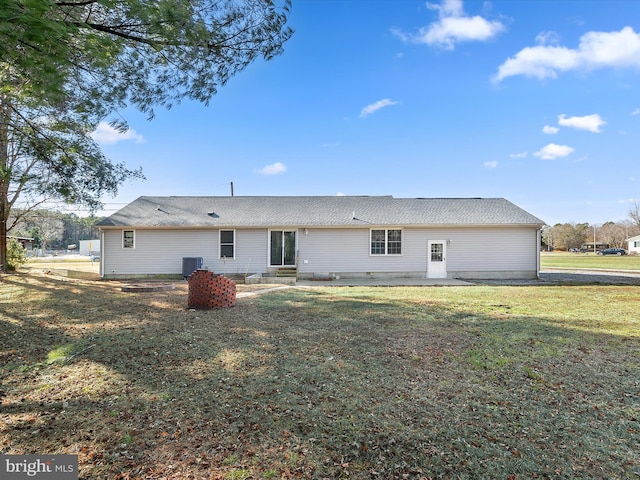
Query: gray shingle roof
335	211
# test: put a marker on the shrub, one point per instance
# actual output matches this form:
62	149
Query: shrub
16	254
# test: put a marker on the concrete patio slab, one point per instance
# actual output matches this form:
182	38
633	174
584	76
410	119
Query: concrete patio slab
382	282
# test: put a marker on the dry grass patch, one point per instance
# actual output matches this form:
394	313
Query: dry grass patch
456	382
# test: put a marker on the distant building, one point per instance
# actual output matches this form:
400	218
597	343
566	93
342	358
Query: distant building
26	242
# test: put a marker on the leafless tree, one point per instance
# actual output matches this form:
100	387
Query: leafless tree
634	214
615	234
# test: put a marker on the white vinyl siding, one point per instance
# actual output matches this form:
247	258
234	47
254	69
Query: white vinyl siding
470	251
161	251
494	249
488	249
633	245
354	254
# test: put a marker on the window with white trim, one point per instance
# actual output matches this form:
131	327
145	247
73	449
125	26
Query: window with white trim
386	242
128	239
227	243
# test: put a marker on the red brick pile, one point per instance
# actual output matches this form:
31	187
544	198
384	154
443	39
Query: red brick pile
208	290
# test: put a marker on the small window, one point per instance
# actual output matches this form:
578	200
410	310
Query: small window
128	239
227	243
386	242
394	242
377	242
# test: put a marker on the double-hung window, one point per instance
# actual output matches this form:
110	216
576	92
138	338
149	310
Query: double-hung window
386	242
128	239
227	243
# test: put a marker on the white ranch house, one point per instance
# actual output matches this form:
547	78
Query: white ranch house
323	237
633	245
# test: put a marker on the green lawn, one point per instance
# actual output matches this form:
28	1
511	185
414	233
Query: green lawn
589	260
439	382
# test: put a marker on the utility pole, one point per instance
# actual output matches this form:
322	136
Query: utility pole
231	188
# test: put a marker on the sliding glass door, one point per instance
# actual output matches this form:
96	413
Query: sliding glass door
283	248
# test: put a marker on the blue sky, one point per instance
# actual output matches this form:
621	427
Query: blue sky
536	101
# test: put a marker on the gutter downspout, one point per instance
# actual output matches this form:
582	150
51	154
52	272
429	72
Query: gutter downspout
102	253
538	245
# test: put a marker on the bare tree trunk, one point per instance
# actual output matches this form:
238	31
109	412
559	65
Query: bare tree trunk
5	180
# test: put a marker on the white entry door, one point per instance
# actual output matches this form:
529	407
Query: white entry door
437	259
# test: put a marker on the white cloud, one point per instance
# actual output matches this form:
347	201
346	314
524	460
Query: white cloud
374	107
340	194
595	50
491	164
591	123
273	169
549	130
105	133
453	27
448	8
518	155
553	151
547	38
636	112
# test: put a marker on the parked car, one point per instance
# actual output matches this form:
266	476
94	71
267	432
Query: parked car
613	251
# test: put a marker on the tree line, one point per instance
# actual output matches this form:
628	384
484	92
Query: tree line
52	230
565	236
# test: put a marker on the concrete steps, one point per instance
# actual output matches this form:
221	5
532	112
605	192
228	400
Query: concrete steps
287	272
